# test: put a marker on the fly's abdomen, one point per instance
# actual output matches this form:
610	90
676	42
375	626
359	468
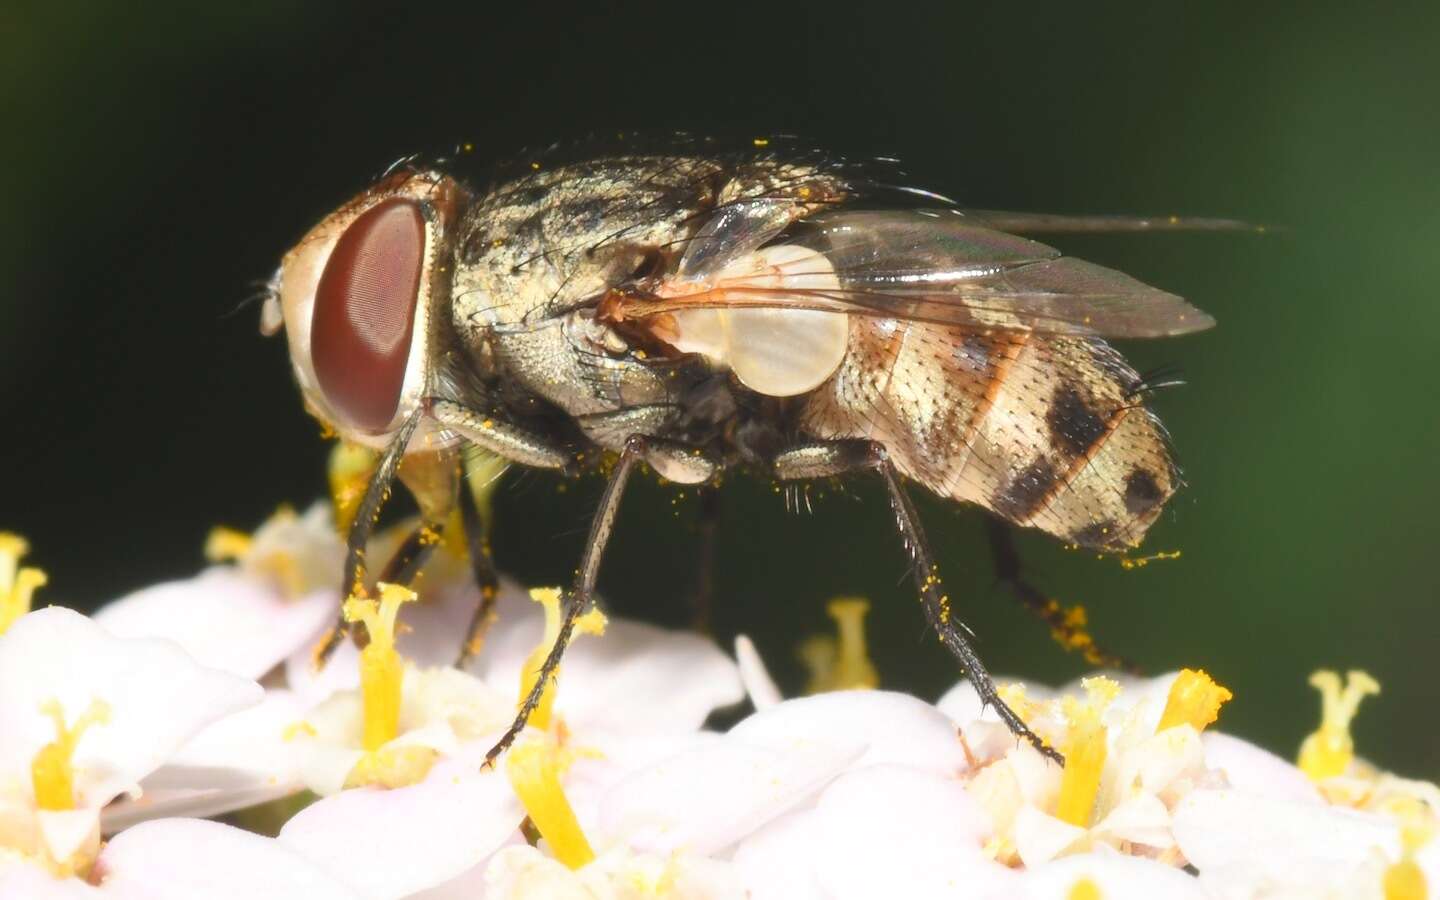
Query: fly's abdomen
1043	430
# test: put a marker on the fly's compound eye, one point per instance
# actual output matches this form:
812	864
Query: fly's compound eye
364	318
357	294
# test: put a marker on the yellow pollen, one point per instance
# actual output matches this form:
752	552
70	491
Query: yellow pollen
17	585
534	773
592	622
392	767
1330	749
350	468
841	663
382	671
1194	700
1084	750
51	773
1084	889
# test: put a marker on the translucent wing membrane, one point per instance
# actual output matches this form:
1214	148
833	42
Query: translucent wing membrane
1051	223
917	265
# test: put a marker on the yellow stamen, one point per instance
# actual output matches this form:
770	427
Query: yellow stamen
1084	750
1405	880
1084	889
17	585
382	671
534	774
351	466
1194	700
51	772
842	662
1330	749
227	545
592	622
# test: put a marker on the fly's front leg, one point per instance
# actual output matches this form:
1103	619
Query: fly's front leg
824	460
352	579
579	596
1068	629
477	535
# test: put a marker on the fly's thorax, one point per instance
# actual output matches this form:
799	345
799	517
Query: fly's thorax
579	365
1043	430
364	299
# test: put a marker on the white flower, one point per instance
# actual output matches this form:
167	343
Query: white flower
246	617
522	873
84	716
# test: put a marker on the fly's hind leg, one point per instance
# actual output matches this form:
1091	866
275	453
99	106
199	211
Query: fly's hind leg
824	460
1067	625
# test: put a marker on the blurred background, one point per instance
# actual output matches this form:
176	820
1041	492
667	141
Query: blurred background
157	161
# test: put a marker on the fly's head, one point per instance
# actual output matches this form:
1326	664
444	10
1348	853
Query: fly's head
361	297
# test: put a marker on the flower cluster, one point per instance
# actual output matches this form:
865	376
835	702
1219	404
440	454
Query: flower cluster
123	737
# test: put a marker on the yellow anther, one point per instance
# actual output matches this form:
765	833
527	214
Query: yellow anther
1140	562
1194	700
1329	750
1084	750
351	466
382	671
1084	889
534	772
51	771
592	622
843	662
17	585
227	545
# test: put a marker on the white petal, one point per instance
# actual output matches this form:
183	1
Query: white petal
895	728
70	834
243	759
184	859
158	698
1228	827
523	873
778	861
1142	819
758	684
706	799
896	831
1257	771
1040	837
224	618
389	844
1117	878
633	678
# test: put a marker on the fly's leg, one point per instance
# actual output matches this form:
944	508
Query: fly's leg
352	580
477	535
1067	627
489	432
661	455
841	457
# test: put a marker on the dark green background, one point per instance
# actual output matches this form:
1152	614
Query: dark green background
157	161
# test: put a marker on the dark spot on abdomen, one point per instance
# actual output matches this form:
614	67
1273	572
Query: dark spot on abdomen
1074	426
1100	536
1026	492
1142	492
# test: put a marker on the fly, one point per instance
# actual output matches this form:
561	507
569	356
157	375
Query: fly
701	311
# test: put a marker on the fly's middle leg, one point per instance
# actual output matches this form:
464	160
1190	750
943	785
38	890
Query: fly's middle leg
823	460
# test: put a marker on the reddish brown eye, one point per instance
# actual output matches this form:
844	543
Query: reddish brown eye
365	313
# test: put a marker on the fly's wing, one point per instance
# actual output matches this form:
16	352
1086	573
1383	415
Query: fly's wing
1054	223
918	265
